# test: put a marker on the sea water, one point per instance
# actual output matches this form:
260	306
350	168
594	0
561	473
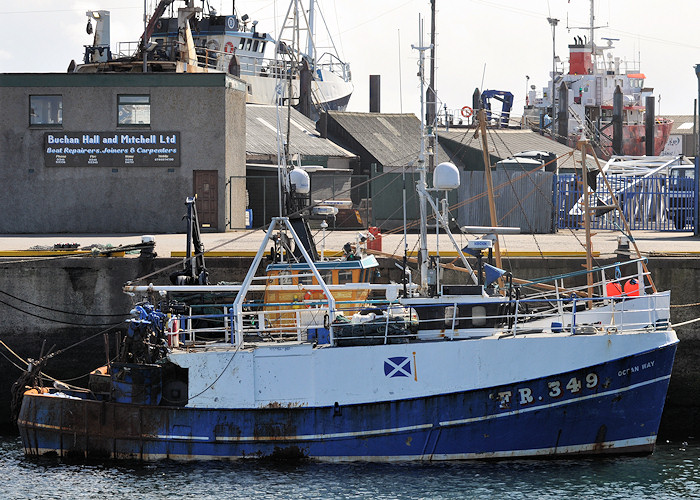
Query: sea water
673	471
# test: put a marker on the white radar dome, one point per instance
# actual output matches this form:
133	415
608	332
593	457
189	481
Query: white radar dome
446	176
299	178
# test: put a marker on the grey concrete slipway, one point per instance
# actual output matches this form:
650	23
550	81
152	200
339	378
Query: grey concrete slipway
650	243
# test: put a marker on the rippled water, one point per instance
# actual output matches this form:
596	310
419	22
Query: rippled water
672	472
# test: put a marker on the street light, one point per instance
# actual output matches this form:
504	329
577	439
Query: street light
553	23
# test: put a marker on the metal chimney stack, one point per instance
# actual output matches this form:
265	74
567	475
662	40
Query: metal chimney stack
374	88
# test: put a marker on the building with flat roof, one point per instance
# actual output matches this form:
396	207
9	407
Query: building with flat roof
120	152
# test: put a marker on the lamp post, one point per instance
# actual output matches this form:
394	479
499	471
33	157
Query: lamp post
527	90
553	23
696	181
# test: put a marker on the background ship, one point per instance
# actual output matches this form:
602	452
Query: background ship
580	102
190	40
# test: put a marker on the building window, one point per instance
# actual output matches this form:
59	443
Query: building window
134	110
45	110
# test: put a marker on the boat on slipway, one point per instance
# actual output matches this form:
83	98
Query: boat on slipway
494	367
582	98
189	40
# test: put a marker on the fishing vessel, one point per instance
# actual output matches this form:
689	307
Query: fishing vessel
492	367
579	101
189	40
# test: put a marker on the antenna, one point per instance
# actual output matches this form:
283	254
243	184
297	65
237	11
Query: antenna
400	79
421	160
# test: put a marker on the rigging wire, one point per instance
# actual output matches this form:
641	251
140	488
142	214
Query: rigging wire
220	375
391	169
52	320
60	310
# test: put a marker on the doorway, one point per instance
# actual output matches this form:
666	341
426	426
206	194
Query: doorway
206	187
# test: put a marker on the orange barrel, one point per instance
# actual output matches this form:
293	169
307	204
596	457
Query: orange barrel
376	243
632	288
613	289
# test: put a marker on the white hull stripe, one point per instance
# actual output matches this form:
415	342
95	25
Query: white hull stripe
313	437
553	405
631	445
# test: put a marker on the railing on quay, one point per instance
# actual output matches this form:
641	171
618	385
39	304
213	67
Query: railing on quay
656	203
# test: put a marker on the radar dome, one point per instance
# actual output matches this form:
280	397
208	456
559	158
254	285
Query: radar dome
299	178
446	176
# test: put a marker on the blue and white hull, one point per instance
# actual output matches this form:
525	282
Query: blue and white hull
380	405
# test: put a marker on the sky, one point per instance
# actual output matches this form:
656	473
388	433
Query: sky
486	44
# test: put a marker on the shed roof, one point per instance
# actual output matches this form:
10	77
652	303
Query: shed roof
682	124
393	139
504	143
261	133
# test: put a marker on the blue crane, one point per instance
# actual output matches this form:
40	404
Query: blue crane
506	99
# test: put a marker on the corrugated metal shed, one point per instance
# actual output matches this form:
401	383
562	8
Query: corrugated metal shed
261	134
681	139
522	200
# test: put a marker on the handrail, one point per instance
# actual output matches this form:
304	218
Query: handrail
585	271
617	318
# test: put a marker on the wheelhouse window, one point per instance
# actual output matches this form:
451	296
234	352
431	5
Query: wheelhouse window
134	110
46	110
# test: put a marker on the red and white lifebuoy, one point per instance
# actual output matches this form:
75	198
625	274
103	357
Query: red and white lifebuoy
228	48
308	296
467	111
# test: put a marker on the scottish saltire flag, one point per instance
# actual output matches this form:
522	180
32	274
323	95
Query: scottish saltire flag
399	366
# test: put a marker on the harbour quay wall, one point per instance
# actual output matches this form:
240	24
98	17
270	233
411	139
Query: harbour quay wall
58	302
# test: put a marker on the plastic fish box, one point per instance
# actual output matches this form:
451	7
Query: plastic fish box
320	335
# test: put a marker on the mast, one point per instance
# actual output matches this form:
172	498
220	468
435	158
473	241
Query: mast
422	185
310	39
592	28
431	96
489	182
583	146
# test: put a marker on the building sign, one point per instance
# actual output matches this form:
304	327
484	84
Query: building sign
112	149
674	146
